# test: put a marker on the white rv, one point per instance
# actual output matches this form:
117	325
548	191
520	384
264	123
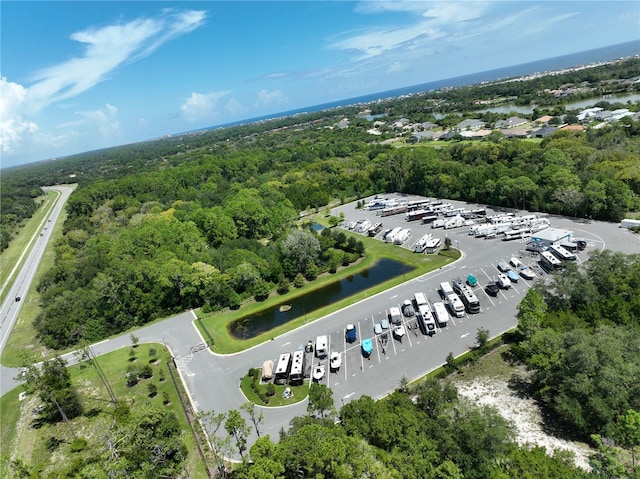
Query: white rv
440	312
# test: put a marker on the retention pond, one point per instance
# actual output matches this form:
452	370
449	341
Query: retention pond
251	326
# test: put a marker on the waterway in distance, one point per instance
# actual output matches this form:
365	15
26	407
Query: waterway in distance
383	270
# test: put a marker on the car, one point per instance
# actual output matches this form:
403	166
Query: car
351	334
526	273
515	262
581	244
513	277
492	289
471	280
18	298
503	267
377	329
384	324
41	235
407	309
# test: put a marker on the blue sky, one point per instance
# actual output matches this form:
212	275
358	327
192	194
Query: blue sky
77	76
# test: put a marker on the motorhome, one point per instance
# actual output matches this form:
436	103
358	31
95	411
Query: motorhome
416	215
437	224
283	368
562	253
456	306
322	347
445	289
393	210
549	262
296	376
432	246
427	321
440	313
430	218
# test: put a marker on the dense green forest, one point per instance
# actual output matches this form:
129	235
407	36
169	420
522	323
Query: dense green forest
208	219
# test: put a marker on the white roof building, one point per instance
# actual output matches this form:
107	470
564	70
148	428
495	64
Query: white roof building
548	236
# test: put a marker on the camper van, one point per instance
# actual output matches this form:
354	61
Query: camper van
395	316
322	347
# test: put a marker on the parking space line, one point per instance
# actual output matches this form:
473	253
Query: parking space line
361	355
344	357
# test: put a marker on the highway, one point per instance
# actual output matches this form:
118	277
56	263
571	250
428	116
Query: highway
18	292
212	380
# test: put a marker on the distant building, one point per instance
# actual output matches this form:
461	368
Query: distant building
470	124
543	132
511	122
543	120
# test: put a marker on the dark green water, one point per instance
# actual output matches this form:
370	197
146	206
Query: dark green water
250	326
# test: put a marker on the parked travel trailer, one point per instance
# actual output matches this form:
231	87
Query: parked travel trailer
629	223
391	236
421	244
363	227
437	224
455	222
402	236
375	229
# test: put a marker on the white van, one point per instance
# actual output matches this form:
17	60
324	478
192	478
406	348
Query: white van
322	347
394	315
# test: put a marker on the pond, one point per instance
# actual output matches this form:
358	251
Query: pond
383	270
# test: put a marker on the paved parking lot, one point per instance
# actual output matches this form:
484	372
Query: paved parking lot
417	353
212	379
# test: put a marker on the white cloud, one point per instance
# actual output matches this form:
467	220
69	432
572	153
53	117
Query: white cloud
106	48
13	126
234	107
268	98
201	105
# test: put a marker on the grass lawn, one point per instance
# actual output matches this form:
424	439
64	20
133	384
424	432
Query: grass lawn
299	393
216	323
13	255
33	445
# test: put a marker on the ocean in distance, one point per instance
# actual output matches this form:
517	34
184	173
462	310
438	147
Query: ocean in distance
586	57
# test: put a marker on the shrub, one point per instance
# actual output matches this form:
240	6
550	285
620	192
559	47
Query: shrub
270	390
298	282
78	444
146	372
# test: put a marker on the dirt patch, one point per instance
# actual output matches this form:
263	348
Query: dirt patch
523	412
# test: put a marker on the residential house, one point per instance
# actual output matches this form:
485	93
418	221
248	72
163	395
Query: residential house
543	120
511	122
545	131
470	124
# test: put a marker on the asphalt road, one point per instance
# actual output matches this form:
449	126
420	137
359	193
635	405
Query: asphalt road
11	306
212	380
